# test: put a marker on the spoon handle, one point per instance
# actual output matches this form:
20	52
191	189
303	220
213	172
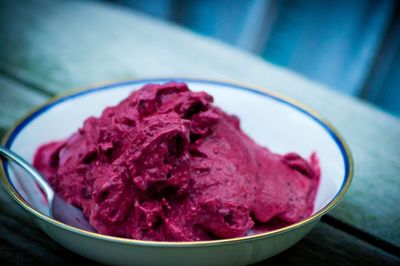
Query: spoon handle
30	170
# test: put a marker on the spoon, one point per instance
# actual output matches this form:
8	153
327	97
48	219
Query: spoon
58	208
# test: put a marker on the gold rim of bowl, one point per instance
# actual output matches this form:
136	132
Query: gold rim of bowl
311	112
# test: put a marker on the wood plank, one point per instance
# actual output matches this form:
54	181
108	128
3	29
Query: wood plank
15	100
381	87
130	45
337	248
11	255
19	235
32	242
326	245
341	53
384	75
2	132
9	207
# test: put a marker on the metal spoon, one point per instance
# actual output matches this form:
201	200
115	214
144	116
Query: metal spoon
58	208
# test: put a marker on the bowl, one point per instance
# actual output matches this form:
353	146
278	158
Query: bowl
271	119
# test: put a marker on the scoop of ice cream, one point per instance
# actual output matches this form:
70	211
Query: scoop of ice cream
166	164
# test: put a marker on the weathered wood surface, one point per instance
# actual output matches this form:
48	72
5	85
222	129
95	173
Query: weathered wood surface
23	243
15	101
42	47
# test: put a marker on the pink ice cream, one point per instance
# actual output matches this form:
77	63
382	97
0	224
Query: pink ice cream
166	164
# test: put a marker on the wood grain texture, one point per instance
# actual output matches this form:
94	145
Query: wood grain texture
19	235
28	242
334	42
15	100
103	42
326	245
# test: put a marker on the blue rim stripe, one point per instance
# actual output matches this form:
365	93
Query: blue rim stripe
38	112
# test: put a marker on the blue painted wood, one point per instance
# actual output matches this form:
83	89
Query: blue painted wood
334	42
158	8
223	19
330	41
382	85
258	25
389	95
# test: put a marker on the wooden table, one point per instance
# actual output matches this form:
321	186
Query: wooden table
47	47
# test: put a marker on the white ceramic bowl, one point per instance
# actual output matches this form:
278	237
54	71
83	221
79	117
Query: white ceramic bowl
273	120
